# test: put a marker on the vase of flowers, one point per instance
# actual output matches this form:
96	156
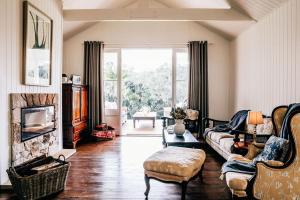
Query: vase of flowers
179	115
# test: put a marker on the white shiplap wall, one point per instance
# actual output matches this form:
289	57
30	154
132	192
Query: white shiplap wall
257	9
266	60
11	64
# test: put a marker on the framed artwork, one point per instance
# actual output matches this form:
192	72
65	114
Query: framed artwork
37	47
76	79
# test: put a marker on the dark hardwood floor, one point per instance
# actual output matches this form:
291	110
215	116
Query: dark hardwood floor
114	170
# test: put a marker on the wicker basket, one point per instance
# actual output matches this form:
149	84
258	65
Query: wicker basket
28	184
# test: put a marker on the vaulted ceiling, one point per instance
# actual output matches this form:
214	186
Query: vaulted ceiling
239	14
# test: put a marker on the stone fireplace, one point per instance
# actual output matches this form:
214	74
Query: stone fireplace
45	143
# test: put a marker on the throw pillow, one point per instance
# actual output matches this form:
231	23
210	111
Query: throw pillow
192	114
276	148
266	128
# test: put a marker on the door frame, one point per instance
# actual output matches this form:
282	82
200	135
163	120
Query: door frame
116	113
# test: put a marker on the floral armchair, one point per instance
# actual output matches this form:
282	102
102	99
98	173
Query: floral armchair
281	182
241	184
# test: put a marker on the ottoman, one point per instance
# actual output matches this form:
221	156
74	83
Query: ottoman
174	165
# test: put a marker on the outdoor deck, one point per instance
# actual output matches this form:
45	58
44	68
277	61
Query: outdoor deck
143	128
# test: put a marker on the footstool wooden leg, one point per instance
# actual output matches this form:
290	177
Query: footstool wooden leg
147	181
183	189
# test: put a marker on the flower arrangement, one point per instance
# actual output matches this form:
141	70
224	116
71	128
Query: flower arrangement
178	113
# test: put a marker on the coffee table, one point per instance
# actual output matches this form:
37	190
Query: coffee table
188	140
144	116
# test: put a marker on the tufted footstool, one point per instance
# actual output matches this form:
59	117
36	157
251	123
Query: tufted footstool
174	165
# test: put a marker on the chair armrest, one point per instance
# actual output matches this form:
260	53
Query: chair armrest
274	163
238	157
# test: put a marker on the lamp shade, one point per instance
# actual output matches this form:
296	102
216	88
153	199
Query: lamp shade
255	118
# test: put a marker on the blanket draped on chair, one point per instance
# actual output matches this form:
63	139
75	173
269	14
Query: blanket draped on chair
237	122
285	131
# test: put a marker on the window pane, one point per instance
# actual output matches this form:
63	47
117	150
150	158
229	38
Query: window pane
111	94
110	66
181	93
110	80
182	65
182	73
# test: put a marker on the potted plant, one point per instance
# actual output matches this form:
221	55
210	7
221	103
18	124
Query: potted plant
179	115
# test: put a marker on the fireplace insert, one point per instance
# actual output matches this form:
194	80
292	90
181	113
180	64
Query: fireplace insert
36	121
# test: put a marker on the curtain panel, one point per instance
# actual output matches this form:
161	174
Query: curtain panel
93	76
198	79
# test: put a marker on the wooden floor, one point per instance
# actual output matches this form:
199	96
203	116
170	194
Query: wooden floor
114	170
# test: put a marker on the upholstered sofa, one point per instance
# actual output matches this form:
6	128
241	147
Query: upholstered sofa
222	142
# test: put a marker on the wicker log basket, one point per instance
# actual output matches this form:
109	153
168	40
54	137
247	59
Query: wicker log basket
28	183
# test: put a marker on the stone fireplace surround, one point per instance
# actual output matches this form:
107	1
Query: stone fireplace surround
45	144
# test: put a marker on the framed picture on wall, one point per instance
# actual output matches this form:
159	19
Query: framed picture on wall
37	46
76	79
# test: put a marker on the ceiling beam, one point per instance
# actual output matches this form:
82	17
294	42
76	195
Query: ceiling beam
143	3
155	14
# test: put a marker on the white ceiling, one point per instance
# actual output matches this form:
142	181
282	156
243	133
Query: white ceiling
256	9
92	4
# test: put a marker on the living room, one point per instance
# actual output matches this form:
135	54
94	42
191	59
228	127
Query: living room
229	131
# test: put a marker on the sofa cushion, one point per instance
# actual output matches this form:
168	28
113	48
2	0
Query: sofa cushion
276	148
226	144
266	128
178	161
217	136
192	114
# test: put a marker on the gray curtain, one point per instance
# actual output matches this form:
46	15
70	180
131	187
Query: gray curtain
93	75
198	79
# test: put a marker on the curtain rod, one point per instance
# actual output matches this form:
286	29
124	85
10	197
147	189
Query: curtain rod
148	44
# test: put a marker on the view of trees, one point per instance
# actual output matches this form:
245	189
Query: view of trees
144	87
152	89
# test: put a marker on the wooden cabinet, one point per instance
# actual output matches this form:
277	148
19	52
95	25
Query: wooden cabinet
75	114
84	100
76	96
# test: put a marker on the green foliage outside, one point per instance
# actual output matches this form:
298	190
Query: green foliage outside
151	88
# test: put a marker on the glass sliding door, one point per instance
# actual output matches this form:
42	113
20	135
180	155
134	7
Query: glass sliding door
139	79
111	74
181	77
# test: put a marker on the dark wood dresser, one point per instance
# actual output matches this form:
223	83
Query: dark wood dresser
75	113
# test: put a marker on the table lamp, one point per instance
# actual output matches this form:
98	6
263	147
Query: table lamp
255	118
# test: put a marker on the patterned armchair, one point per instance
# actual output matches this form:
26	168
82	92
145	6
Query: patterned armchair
240	184
281	182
